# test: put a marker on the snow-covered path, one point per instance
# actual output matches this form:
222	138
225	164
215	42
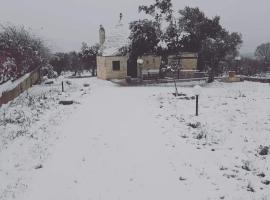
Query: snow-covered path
113	150
143	143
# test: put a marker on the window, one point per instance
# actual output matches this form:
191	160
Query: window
116	65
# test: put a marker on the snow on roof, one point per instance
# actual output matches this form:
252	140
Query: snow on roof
117	38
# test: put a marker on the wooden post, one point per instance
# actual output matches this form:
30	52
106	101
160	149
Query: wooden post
62	86
197	106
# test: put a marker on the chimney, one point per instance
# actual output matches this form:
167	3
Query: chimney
102	36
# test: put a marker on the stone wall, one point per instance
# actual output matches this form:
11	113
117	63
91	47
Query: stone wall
188	61
105	67
151	62
33	78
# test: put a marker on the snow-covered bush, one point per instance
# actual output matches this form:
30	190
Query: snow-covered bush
48	71
21	50
8	69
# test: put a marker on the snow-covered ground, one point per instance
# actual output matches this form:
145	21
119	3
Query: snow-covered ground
136	143
29	126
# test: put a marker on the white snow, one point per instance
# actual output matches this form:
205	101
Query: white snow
138	143
116	38
9	85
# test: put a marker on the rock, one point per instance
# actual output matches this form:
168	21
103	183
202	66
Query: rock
49	82
66	102
263	150
261	175
39	166
182	178
266	182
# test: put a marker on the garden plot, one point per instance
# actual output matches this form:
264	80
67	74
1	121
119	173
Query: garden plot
137	143
225	150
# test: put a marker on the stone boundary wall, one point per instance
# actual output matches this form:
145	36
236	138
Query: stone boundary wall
254	79
33	78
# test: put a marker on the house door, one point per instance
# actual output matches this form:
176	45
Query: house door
132	68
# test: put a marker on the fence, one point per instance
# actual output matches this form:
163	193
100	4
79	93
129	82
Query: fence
33	78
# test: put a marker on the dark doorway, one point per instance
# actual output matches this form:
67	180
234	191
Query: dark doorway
132	68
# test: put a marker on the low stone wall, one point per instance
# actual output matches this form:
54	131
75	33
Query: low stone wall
185	74
32	79
254	79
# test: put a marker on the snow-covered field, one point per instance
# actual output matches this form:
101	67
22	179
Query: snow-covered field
136	143
29	126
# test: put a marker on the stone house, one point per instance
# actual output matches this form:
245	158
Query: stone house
112	65
118	67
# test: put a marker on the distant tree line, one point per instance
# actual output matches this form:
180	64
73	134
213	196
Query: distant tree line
74	61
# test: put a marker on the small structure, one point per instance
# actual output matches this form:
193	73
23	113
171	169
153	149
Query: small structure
186	62
112	67
150	66
112	64
232	78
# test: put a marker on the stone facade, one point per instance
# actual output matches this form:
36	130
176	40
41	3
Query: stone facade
106	70
33	78
186	60
151	62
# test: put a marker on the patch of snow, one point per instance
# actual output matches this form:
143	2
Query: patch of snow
9	85
117	38
138	143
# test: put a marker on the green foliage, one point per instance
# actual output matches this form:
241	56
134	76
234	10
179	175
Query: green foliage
89	55
172	38
197	28
191	31
214	50
160	9
60	62
207	37
144	37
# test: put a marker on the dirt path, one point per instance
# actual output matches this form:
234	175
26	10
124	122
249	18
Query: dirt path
113	150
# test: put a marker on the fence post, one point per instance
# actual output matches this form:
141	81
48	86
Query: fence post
62	86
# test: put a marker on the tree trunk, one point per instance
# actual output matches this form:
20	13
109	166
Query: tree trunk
214	66
211	75
93	71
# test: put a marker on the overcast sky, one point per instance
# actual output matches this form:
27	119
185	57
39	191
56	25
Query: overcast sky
65	24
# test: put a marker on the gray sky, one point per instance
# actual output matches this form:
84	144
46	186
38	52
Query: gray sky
65	24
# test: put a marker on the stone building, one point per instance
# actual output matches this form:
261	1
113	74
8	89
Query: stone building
112	67
111	64
186	61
